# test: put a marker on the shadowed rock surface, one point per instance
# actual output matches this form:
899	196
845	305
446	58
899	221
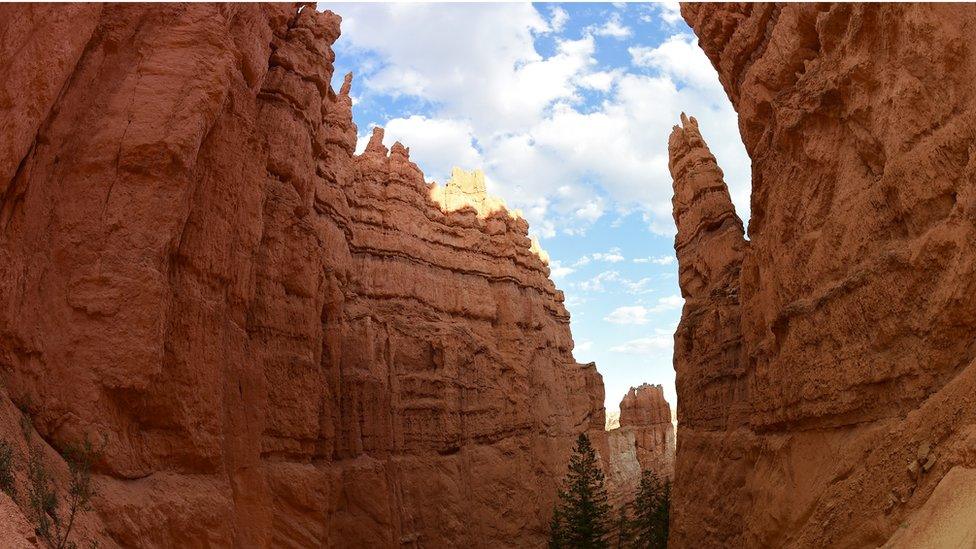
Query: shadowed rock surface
825	367
283	343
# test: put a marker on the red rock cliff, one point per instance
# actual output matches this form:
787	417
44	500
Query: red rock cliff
826	366
644	441
283	343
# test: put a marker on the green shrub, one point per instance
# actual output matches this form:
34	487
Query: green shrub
54	516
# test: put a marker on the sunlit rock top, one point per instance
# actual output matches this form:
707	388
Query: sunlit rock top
467	189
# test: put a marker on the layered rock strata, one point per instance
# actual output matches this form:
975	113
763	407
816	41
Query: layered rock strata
467	189
282	343
825	367
642	441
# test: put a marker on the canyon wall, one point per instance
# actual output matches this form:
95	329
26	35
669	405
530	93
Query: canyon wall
825	366
276	342
643	440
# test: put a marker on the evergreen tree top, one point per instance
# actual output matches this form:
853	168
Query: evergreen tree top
582	517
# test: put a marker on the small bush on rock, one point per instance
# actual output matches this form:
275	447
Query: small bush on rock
54	519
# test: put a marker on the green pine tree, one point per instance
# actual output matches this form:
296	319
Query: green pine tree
652	507
556	540
624	535
581	519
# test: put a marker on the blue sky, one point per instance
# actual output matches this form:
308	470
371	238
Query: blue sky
567	108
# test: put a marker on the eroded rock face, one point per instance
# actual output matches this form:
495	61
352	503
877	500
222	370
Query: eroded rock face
283	343
818	358
643	441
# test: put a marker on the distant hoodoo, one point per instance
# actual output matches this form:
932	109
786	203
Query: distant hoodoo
643	440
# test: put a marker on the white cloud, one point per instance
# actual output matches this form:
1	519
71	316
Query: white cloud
400	81
670	12
612	256
613	28
556	270
656	344
441	53
600	80
639	314
638	286
595	284
584	345
634	314
592	211
667	303
559	18
680	57
520	114
656	260
601	281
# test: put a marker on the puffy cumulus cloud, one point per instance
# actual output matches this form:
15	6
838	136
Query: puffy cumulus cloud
680	57
558	135
622	146
473	61
658	344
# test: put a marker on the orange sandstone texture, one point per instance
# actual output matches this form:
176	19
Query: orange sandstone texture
643	441
825	366
283	344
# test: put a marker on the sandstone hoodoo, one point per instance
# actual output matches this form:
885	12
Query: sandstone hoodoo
825	366
282	343
642	441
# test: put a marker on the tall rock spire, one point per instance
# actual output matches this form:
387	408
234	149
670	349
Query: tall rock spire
710	371
710	248
710	241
